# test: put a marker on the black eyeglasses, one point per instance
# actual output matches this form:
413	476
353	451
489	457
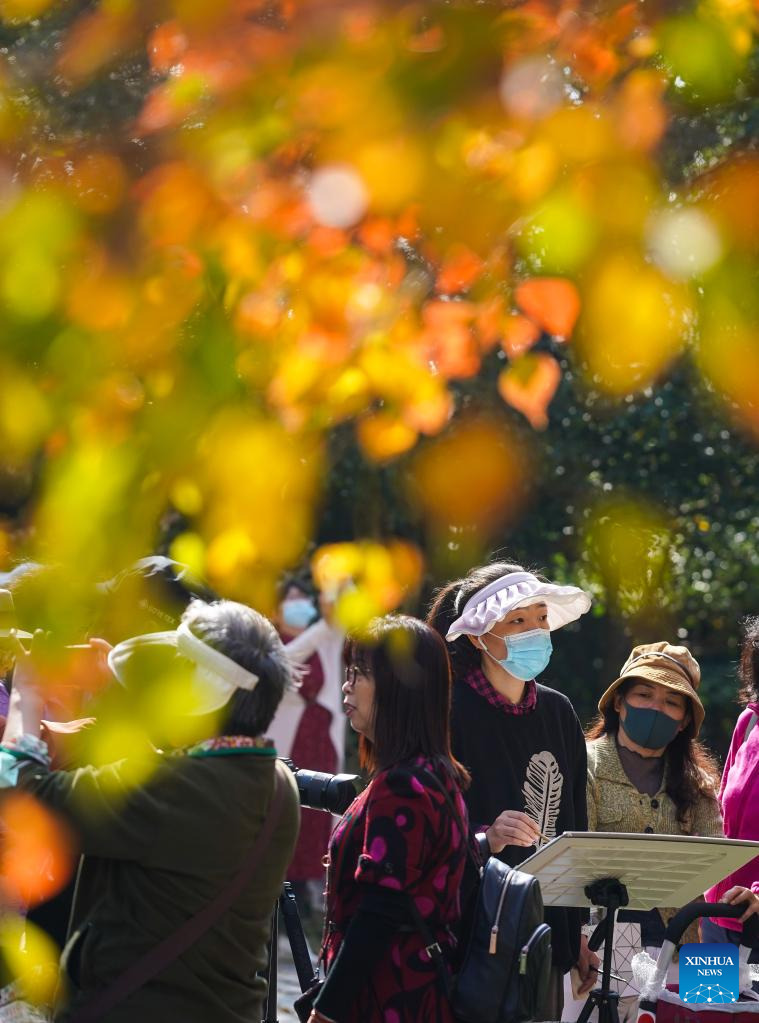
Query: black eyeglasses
352	673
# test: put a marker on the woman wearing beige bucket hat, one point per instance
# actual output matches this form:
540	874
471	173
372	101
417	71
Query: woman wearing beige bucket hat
647	772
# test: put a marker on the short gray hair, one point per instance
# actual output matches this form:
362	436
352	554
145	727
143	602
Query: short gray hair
250	640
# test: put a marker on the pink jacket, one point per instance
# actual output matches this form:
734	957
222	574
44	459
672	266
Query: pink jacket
739	796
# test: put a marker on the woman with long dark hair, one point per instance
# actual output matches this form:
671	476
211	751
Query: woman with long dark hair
647	771
521	741
398	853
644	743
739	790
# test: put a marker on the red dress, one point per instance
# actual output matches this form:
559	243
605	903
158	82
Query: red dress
312	748
399	834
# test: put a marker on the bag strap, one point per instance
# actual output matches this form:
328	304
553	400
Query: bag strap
432	947
161	955
751	722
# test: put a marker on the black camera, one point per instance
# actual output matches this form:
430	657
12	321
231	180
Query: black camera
318	790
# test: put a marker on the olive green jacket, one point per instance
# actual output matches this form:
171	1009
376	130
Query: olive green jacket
154	855
614	804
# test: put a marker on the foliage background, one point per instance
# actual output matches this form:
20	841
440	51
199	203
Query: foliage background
188	336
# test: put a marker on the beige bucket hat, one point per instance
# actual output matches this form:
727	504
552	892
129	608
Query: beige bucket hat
672	666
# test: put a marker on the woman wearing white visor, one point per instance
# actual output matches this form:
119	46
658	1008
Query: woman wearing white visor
180	872
522	742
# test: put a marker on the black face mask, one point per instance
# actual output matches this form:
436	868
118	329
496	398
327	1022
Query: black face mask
649	728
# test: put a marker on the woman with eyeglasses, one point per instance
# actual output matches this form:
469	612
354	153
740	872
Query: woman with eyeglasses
397	857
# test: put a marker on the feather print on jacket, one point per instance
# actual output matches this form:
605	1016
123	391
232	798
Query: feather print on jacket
542	792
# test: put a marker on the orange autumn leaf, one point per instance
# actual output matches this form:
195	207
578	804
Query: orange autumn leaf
551	302
519	335
327	241
383	436
641	117
459	271
175	203
474	476
36	853
377	234
732	197
98	182
488	321
528	386
166	45
449	337
95	40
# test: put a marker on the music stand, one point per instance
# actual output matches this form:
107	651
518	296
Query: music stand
636	871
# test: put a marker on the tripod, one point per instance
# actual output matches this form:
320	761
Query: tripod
611	894
307	975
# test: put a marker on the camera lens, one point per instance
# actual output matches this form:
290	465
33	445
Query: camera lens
319	790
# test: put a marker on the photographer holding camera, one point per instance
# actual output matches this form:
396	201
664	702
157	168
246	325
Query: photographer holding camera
180	873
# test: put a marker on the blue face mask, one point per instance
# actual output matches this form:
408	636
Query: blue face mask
528	653
298	613
649	728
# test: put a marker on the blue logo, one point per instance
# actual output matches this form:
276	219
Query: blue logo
709	973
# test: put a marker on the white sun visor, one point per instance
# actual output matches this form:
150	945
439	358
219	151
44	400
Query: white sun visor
518	589
216	676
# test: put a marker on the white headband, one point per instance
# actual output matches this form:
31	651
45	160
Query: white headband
493	602
216	676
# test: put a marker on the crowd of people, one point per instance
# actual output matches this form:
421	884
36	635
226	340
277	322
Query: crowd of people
467	756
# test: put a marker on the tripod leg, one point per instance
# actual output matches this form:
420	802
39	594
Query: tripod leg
608	1009
298	944
587	1009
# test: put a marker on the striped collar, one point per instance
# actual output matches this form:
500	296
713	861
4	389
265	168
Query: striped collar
230	745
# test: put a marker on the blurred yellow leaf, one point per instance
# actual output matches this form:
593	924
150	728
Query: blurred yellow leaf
366	578
702	54
384	435
25	415
23	10
627	541
559	235
31	957
634	323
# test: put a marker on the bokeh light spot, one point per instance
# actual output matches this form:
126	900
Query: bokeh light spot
684	242
337	196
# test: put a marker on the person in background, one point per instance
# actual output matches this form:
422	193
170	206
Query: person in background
9	635
398	853
739	789
158	853
303	729
647	771
521	741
